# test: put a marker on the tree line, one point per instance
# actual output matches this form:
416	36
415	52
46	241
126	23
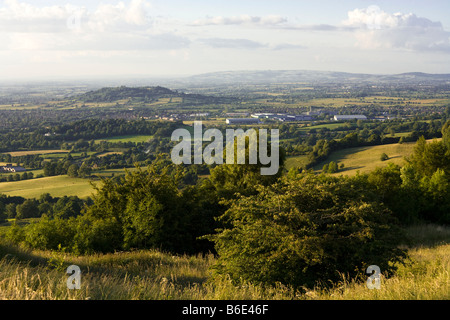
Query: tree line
75	134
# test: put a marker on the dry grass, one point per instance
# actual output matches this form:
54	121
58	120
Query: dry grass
152	275
426	277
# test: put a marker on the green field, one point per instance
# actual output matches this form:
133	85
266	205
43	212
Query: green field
365	159
296	162
110	172
128	138
362	159
329	126
34	152
35	172
57	186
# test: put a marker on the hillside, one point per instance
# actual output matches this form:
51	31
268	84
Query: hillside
311	76
366	159
362	159
144	94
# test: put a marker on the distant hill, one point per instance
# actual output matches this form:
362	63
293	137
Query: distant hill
310	76
146	94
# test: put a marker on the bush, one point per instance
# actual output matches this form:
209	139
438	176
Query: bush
3	215
94	236
46	234
306	230
384	157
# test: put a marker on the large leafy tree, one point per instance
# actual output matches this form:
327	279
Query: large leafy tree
305	230
446	133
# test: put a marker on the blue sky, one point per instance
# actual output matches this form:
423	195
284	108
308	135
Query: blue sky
47	38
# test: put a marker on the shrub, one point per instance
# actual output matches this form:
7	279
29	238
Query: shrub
46	234
96	235
306	230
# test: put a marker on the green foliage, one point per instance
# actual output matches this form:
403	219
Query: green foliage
306	230
427	179
3	215
46	234
428	157
11	210
333	167
73	171
144	209
57	260
446	133
28	209
96	235
384	157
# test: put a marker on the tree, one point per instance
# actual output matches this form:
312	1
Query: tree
384	157
332	167
84	171
3	215
428	157
49	169
446	132
72	171
10	210
28	209
150	210
306	230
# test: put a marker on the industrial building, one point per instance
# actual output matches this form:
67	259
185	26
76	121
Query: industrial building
242	121
349	117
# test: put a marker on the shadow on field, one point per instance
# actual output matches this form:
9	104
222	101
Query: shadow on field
11	251
350	168
427	235
146	263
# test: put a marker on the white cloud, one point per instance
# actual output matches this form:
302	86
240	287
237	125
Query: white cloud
117	26
109	17
232	43
288	46
241	20
376	28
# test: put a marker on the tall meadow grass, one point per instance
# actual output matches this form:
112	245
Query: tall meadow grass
151	274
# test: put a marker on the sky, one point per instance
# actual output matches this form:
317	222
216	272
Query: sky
154	38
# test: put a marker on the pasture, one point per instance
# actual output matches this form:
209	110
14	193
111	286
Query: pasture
126	138
34	152
56	186
362	159
366	159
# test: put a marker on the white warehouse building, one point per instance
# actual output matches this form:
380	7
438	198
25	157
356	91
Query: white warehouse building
349	117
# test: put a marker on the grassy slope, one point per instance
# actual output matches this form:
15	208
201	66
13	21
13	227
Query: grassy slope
154	275
34	152
363	159
128	138
57	186
366	159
